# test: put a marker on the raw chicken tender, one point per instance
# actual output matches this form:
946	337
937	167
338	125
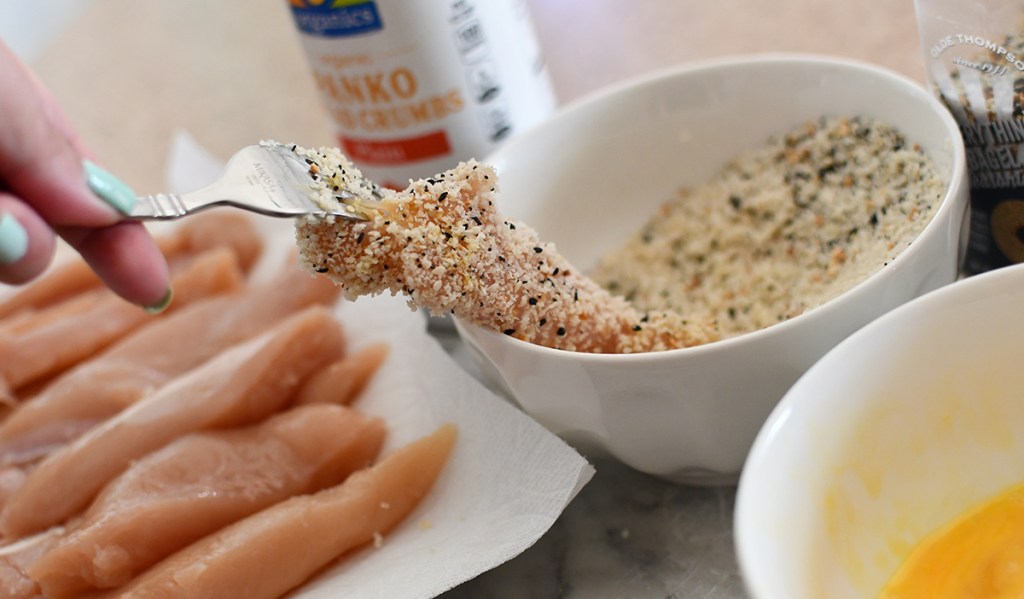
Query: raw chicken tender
38	345
148	358
272	552
200	483
241	386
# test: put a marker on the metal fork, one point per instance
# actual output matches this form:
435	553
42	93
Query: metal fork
268	179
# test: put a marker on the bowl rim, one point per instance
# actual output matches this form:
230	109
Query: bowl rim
956	294
956	181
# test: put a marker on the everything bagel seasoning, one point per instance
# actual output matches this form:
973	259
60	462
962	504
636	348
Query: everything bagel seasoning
782	228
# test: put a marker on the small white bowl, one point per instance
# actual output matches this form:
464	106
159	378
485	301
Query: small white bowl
894	433
594	173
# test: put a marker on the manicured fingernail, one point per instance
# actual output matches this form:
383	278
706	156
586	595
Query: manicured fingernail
109	188
161	305
13	240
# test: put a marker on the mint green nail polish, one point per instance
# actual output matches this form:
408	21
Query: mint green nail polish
162	304
109	188
13	240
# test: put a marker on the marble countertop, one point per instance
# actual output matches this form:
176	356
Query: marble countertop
132	73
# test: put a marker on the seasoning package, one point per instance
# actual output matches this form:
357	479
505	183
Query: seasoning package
974	53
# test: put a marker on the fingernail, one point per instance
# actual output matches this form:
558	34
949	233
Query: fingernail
109	188
13	240
161	305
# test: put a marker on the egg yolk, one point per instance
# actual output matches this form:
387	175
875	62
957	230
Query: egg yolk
978	555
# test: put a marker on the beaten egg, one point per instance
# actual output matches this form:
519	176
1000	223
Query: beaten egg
979	554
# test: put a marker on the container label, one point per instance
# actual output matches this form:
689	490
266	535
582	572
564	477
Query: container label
996	236
994	160
336	18
396	151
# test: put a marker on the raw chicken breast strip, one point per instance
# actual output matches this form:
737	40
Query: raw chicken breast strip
200	483
101	318
344	380
101	387
276	550
15	558
240	386
194	236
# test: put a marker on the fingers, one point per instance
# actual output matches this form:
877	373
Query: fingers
126	259
26	242
46	185
123	254
40	158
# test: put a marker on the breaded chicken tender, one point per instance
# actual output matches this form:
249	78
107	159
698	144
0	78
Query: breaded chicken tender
443	243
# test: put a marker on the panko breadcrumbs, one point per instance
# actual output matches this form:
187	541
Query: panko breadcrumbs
779	230
782	228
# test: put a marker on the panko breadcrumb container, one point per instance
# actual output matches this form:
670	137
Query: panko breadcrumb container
413	86
974	52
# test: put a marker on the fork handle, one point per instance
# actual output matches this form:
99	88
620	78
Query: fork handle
160	206
166	206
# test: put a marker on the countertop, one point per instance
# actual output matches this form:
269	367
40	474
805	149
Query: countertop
131	73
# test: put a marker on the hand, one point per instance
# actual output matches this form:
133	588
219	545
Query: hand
48	187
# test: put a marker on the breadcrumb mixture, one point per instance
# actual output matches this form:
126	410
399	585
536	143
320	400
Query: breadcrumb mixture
442	243
782	228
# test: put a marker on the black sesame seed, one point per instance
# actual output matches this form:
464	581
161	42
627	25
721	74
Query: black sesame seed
532	301
538	249
560	331
509	331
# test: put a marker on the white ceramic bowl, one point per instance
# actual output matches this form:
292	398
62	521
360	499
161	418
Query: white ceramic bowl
691	415
895	432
